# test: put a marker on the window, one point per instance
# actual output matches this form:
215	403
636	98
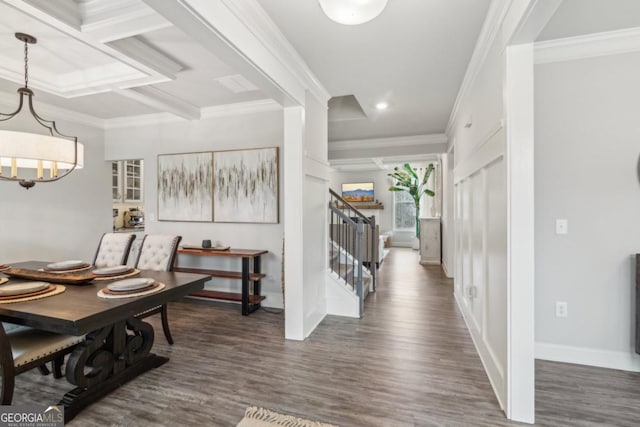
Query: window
404	211
115	181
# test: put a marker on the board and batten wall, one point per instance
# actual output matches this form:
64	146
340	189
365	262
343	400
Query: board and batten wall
480	197
587	145
233	132
63	219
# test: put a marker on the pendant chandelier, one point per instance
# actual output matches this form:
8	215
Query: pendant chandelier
29	158
352	12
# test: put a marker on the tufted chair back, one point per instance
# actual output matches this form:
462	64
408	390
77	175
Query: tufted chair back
113	249
158	252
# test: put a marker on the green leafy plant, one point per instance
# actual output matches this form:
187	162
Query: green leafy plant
406	179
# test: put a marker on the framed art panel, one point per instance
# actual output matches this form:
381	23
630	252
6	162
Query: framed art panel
185	187
246	185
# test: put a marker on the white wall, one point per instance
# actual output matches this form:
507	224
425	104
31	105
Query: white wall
58	220
264	129
586	155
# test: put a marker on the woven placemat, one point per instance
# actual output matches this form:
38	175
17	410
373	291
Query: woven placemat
160	287
132	273
58	290
3	280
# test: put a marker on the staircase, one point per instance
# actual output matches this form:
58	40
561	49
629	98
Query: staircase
345	268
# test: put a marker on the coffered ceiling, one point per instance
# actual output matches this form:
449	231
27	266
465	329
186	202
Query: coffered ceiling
113	58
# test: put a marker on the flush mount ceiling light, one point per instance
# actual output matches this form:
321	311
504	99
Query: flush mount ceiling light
381	106
352	12
26	155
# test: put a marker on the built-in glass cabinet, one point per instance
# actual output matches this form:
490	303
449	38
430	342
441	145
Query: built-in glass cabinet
126	181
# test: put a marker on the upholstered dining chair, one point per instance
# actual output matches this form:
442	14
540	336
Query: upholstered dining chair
113	249
158	253
23	348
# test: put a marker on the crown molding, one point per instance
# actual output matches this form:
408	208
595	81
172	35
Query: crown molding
398	141
51	112
490	30
239	108
588	46
260	24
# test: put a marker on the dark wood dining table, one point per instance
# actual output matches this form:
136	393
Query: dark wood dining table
118	345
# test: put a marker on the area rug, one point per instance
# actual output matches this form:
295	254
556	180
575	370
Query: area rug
260	417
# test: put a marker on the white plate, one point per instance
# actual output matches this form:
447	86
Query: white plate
111	270
130	284
72	263
22	288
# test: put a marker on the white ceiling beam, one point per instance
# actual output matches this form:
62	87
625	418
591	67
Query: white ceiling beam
143	52
162	101
213	26
109	20
52	21
67	11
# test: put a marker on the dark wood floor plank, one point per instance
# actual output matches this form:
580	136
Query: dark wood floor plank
409	362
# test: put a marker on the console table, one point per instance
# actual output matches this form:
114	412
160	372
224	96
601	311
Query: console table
249	274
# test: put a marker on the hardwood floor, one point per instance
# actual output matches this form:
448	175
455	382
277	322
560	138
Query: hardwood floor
409	362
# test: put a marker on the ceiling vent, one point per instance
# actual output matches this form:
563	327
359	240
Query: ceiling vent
237	83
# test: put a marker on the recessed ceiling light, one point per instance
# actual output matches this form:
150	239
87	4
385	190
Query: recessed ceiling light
381	106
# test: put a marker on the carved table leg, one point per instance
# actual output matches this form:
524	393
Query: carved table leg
108	358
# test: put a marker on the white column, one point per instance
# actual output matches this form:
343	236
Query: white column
519	104
293	175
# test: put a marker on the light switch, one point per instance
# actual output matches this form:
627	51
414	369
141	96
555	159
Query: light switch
562	226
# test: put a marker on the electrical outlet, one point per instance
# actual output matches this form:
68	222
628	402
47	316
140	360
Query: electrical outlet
562	309
472	291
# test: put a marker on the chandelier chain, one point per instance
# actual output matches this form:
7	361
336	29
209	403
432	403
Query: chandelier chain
26	64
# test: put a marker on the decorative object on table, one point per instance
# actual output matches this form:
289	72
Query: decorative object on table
74	278
260	417
49	291
29	154
206	244
148	289
352	12
407	179
4	267
185	187
246	186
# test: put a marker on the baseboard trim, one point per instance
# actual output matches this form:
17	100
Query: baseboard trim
589	356
446	270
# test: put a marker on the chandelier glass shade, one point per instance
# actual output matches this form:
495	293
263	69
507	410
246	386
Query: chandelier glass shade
352	12
29	158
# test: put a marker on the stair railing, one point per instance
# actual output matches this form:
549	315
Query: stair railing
342	212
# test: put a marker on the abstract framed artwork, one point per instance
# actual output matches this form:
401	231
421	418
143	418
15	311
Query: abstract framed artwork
185	187
246	186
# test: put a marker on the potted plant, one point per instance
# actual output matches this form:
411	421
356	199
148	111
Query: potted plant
406	179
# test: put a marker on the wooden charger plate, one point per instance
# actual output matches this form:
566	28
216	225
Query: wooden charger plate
29	294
